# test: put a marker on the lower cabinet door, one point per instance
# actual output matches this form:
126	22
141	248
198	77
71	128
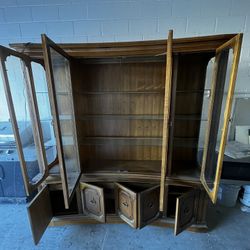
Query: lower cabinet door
148	206
40	213
93	201
126	204
186	209
137	208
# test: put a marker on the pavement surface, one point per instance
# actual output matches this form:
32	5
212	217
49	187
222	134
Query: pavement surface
229	228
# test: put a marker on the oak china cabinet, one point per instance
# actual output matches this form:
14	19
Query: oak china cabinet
140	129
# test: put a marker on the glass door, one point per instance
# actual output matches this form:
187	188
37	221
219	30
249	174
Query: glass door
57	64
219	113
17	81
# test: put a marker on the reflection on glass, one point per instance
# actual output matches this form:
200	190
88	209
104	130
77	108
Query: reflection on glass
62	81
43	104
215	132
205	106
20	102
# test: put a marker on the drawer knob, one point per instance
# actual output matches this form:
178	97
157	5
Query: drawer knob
150	204
125	204
93	201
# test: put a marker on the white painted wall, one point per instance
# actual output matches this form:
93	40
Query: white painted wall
125	20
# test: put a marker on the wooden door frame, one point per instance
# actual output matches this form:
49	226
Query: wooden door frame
46	45
235	44
34	115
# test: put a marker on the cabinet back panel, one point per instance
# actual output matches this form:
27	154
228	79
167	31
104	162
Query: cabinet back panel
186	128
128	166
120	127
120	152
120	103
187	110
141	76
117	105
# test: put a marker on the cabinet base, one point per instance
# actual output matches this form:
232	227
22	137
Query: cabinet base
114	219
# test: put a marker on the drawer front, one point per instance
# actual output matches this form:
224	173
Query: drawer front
93	201
148	206
126	205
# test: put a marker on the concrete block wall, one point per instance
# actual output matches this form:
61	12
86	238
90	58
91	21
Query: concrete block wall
126	20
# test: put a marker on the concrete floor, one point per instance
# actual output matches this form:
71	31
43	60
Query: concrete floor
229	229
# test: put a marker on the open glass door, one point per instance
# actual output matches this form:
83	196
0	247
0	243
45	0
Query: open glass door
219	113
57	64
21	96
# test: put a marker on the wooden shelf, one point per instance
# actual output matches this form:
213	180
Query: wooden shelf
202	91
189	117
119	167
131	141
121	117
119	92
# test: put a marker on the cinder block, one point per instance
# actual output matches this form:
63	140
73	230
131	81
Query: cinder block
4	3
128	37
87	28
95	39
148	37
74	39
240	7
113	10
177	24
2	20
143	26
116	27
18	14
151	9
30	2
184	8
4	42
201	26
60	28
32	29
215	8
54	2
45	13
10	30
247	27
72	12
101	39
230	24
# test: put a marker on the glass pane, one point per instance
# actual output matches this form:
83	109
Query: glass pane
43	104
63	93
205	107
221	91
18	89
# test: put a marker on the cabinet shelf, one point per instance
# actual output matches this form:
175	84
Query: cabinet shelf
202	91
122	166
130	141
121	117
189	117
118	92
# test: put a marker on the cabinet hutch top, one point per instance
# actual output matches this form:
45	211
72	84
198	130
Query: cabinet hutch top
154	47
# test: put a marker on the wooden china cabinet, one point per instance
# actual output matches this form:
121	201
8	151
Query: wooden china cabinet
140	129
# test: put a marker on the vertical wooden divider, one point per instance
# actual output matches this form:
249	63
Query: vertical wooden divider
167	97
